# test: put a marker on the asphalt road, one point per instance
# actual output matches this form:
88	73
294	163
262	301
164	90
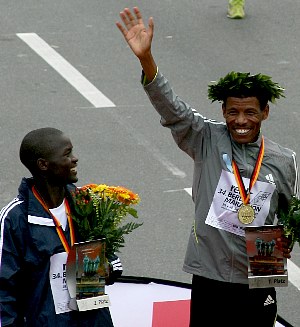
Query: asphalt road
65	64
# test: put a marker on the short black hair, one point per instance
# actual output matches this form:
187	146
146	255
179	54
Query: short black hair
38	143
262	99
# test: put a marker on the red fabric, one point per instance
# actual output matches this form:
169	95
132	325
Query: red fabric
171	314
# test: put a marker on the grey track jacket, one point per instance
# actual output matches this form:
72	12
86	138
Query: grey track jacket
215	252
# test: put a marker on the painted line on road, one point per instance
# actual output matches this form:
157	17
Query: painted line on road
293	270
83	86
189	190
66	70
293	273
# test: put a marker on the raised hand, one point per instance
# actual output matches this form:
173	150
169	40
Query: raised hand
135	33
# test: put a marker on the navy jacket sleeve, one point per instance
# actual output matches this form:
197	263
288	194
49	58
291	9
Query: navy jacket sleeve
11	280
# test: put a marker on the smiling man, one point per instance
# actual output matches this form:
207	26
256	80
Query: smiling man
225	155
245	100
37	232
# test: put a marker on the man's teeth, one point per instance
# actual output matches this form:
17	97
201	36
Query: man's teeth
242	131
73	170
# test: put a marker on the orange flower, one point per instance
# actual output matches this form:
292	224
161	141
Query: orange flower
100	212
87	186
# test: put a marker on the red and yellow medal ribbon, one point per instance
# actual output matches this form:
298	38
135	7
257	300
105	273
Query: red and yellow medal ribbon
244	195
57	224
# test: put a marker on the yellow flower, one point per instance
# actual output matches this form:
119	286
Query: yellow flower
100	211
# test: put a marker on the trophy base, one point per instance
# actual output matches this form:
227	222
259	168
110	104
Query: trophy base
90	303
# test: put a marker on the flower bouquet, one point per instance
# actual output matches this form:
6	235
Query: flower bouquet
290	219
100	211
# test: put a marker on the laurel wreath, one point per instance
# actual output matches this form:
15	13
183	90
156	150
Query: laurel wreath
237	83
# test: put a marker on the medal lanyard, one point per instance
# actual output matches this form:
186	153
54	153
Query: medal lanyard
58	225
244	195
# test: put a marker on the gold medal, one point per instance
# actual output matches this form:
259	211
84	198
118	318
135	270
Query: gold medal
246	214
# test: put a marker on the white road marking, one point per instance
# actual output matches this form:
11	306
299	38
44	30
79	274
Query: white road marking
66	70
293	270
293	273
188	190
83	86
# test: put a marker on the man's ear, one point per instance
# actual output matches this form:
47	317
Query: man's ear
223	109
266	112
42	164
